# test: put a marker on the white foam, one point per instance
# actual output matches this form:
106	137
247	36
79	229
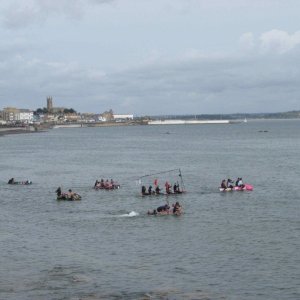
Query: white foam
131	214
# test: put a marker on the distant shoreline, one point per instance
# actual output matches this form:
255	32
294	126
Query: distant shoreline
5	130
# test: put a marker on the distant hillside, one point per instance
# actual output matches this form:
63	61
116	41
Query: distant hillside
237	116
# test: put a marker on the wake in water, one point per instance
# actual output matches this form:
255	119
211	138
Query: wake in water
131	214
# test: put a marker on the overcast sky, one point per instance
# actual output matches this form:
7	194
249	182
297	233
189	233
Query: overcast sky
151	57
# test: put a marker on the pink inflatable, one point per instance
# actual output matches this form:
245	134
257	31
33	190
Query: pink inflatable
247	187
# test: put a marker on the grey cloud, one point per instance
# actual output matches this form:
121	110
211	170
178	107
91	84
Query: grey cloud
228	85
18	13
207	85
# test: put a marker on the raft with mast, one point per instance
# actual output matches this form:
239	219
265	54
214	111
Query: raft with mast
150	183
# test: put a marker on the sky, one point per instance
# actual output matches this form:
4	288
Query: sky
151	57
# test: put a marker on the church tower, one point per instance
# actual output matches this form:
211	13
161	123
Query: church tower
49	104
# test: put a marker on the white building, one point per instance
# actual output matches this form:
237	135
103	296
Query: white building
123	117
26	115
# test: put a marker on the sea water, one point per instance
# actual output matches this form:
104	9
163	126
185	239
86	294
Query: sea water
234	245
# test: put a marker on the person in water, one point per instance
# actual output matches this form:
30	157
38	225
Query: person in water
58	192
240	183
157	190
223	184
150	190
163	208
177	209
102	185
175	188
11	181
143	190
71	194
112	183
168	187
229	183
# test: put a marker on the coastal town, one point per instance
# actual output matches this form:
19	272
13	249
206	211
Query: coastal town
19	120
57	115
15	120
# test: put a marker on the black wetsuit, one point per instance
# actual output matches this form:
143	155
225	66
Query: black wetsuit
143	190
58	192
162	208
175	188
176	209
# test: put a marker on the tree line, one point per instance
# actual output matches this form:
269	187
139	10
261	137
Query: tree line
44	110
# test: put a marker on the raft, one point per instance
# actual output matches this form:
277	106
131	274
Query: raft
27	182
65	197
113	187
163	194
152	213
247	187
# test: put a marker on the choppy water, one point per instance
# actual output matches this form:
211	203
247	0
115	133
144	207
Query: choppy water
240	245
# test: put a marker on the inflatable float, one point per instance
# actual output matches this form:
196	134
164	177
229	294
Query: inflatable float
109	187
246	187
26	182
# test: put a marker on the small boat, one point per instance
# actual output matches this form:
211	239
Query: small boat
163	194
109	187
26	182
153	213
65	196
71	196
246	187
154	188
106	185
166	210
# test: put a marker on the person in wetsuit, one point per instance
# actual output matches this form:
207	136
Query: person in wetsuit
163	208
229	183
58	192
143	190
240	183
177	208
157	190
168	187
223	184
175	188
11	181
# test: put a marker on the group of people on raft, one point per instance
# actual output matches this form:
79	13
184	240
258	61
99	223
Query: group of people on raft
167	210
157	189
230	184
70	195
106	185
12	181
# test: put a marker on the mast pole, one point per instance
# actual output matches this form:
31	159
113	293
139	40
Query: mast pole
182	183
